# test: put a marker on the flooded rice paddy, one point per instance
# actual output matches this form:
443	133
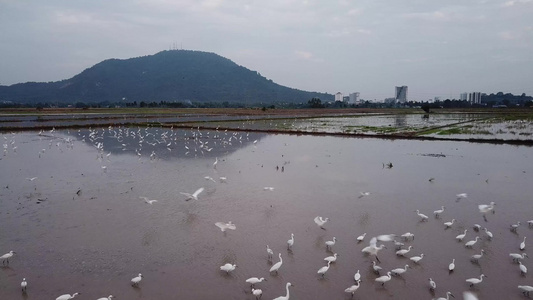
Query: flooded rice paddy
71	209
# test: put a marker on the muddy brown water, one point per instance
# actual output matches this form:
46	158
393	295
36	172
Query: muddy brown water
95	242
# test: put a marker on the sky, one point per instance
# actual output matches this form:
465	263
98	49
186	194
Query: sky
436	48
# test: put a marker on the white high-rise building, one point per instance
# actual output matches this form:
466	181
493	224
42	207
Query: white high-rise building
354	98
401	94
474	98
463	96
338	97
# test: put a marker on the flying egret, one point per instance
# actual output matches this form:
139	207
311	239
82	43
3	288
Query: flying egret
322	271
523	244
514	227
398	245
406	236
290	242
421	215
448	294
361	237
363	194
268	188
402	252
277	265
193	196
330	244
474	280
223	179
357	276
331	258
224	226
417	259
270	253
438	212
257	293
451	266
320	222
471	243
106	298
286	297
517	257
375	267
24	285
523	269
353	288
228	267
372	249
526	289
209	178
489	234
135	280
461	236
449	224
7	256
148	200
476	257
67	296
461	196
432	284
31	179
254	280
384	278
400	271
485	208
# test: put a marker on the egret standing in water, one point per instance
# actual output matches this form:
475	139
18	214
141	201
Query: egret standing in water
353	288
67	296
258	293
516	257
523	269
7	256
228	268
489	234
277	265
290	242
384	278
330	244
135	280
322	271
254	280
286	297
451	266
23	285
523	244
448	294
432	284
400	271
417	259
471	243
106	298
526	289
474	280
331	258
357	276
270	253
461	236
421	215
361	237
438	212
375	267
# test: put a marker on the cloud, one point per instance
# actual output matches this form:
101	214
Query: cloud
364	31
303	54
429	16
516	2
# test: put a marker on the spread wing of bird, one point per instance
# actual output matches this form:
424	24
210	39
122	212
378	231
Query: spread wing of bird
198	191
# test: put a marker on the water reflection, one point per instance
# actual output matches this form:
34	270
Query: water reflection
165	143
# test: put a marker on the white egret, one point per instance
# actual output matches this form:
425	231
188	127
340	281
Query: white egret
462	196
376	267
469	296
489	234
461	236
270	253
228	268
449	224
517	257
384	278
448	294
402	252
523	268
406	236
268	188
523	244
209	178
361	237
432	284
7	256
148	200
136	280
477	227
526	289
322	271
290	242
194	195
372	249
331	258
363	194
330	244
223	179
476	257
485	208
438	212
257	293
67	296
215	163
286	297
421	215
254	280
398	245
451	266
320	222
357	276
530	223
471	243
353	288
417	259
514	227
106	298
474	280
223	226
400	271
277	265
31	179
24	285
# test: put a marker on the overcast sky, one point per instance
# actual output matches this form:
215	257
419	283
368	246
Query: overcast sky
435	47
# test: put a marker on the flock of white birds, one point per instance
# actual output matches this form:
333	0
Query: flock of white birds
404	243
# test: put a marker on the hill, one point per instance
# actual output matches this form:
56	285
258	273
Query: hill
174	75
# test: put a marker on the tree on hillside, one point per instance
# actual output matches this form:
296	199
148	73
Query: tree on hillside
315	103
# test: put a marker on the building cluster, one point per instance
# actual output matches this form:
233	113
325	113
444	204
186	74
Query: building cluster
352	98
473	98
